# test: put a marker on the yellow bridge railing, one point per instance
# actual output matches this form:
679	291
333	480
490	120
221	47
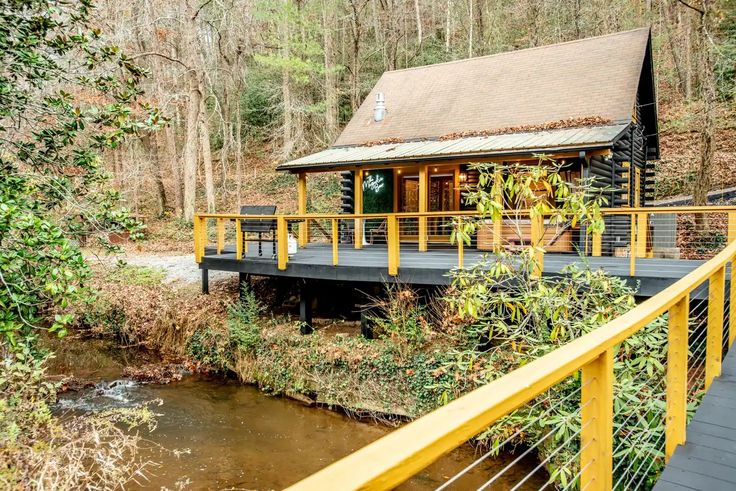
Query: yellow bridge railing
403	453
634	224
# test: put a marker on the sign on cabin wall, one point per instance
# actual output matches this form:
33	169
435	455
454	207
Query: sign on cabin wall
378	191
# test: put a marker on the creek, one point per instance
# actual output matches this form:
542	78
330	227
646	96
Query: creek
215	433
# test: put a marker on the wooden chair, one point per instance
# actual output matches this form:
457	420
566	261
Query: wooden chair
260	227
380	231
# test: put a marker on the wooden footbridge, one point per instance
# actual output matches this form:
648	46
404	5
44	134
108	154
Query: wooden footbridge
694	442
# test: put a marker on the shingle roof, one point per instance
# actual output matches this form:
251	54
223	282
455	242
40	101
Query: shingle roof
533	142
594	77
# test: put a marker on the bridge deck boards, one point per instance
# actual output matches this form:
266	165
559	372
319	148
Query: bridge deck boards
427	268
707	461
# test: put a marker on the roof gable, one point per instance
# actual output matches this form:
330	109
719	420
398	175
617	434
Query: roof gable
585	78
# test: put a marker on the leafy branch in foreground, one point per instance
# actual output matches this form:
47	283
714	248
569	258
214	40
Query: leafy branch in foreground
65	97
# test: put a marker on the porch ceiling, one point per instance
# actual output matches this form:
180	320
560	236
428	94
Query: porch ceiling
558	140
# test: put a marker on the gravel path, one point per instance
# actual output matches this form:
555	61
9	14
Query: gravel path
178	267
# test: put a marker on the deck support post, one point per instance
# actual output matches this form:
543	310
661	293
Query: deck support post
243	282
305	308
677	348
596	437
714	335
366	324
423	206
205	281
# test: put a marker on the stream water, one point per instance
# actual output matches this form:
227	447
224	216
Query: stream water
214	433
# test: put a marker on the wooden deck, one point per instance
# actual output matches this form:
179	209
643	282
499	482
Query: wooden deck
707	461
369	265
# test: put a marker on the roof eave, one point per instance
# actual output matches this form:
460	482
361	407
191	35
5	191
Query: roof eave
437	158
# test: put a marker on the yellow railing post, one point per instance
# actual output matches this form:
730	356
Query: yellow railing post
302	207
597	244
732	302
714	344
220	235
642	228
238	240
537	237
677	349
632	246
393	244
197	239
358	205
596	437
498	224
460	244
282	242
731	226
423	206
335	239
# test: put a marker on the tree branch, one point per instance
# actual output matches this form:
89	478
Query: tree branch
154	53
701	12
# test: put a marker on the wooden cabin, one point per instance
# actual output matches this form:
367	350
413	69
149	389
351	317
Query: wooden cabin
589	104
406	155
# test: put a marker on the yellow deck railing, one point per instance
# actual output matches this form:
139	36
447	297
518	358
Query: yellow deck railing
403	453
637	222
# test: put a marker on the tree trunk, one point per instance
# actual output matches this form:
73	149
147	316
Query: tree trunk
448	25
151	144
171	155
190	52
331	113
238	157
704	179
471	23
419	22
209	181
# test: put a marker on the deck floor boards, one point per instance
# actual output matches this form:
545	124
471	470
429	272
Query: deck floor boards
707	461
369	264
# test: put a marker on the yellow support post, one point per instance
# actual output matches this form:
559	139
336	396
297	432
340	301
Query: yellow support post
537	236
732	302
302	207
597	244
731	226
282	242
358	202
642	227
334	241
677	348
196	235
423	205
238	240
596	437
460	245
714	343
220	235
632	246
393	244
498	224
